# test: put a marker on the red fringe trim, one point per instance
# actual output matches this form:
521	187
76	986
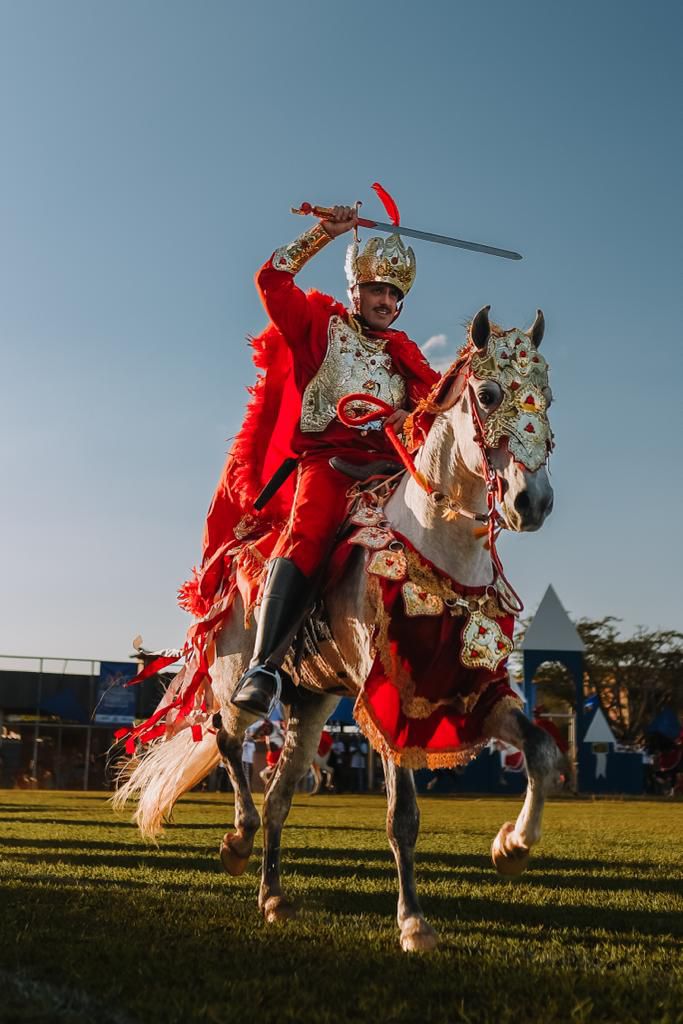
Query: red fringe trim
190	599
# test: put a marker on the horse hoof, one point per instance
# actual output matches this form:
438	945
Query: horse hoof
417	936
510	861
277	909
231	861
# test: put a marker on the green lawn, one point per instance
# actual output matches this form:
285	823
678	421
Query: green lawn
96	926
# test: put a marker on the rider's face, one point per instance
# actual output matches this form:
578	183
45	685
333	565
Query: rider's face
378	305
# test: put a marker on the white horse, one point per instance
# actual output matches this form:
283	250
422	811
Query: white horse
476	446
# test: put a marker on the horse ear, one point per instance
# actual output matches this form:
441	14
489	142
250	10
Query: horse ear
537	329
480	328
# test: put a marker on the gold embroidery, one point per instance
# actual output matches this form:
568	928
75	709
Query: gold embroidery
515	364
384	260
484	645
394	670
411	757
420	602
425	593
291	258
427	580
367	515
390	564
246	525
352	364
372	537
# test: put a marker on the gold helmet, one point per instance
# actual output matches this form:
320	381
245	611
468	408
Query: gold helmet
384	260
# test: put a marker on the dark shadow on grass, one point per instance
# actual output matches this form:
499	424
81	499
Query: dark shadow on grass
57	883
303	973
478	868
516	917
478	871
33	808
111	846
80	822
121	860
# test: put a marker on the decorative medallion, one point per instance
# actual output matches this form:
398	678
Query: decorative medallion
371	537
484	645
420	602
390	564
367	515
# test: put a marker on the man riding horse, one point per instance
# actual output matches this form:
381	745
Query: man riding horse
334	352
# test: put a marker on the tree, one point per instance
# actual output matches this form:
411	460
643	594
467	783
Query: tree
633	677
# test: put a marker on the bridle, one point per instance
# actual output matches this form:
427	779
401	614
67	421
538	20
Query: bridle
460	380
453	508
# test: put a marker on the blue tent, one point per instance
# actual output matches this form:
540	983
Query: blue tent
666	724
343	713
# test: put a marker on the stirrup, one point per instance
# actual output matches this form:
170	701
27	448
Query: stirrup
264	670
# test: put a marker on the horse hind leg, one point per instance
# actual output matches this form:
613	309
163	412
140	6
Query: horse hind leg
403	825
237	846
306	720
511	848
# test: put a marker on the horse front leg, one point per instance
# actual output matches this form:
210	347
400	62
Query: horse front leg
511	848
307	718
237	846
403	825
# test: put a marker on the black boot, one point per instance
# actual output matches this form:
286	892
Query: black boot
283	607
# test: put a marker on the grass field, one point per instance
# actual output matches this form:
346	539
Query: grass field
96	926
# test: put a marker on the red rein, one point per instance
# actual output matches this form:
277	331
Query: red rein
384	409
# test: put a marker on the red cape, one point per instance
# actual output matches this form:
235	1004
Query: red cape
262	444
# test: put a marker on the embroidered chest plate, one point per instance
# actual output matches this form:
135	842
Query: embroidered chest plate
352	363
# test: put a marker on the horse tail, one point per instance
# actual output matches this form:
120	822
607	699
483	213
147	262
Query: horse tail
167	769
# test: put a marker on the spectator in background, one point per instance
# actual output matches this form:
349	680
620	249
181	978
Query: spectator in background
357	750
320	766
10	757
248	752
274	737
340	763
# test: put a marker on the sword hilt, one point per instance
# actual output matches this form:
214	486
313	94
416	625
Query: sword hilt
325	212
308	209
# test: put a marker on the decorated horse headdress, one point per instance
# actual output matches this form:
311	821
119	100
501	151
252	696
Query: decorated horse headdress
511	362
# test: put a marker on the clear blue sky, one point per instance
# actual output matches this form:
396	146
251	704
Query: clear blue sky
149	156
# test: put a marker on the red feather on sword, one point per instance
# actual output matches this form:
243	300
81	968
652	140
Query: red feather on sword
389	203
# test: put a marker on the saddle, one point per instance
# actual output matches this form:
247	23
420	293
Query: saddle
372	471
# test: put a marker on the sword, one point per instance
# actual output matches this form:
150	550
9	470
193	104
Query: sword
307	209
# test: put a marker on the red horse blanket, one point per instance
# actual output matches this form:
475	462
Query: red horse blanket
439	678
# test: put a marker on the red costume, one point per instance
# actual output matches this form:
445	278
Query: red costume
320	497
439	673
292	351
314	354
